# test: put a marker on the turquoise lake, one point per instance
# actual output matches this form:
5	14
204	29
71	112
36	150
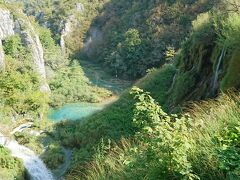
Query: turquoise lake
73	111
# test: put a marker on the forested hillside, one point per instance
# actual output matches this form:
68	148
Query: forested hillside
179	120
138	35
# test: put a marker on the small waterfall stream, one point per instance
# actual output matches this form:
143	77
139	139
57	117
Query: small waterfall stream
34	165
220	59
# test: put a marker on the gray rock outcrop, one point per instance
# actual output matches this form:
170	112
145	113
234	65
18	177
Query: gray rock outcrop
21	26
95	39
6	24
6	29
32	41
67	29
80	7
69	26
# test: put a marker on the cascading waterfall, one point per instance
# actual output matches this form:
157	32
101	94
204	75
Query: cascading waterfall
220	59
34	165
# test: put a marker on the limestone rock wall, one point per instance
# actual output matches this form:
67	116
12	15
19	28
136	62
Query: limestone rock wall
6	29
23	27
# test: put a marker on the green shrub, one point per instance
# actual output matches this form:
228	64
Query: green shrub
13	46
229	151
10	167
71	85
53	157
202	145
53	55
229	36
20	92
166	137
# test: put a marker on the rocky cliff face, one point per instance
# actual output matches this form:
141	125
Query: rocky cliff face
21	26
6	29
94	40
6	24
32	41
69	25
67	29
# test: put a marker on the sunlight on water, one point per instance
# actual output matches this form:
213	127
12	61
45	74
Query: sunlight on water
74	111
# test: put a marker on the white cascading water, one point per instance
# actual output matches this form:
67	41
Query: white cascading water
220	59
34	165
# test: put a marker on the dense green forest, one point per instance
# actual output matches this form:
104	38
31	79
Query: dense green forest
165	72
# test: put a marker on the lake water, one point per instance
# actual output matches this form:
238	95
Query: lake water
73	112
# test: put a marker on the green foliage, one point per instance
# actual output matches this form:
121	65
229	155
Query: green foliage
229	36
20	85
20	93
165	136
13	46
53	157
131	39
10	167
229	151
170	53
184	84
154	26
232	77
202	145
53	55
46	39
200	21
127	55
71	85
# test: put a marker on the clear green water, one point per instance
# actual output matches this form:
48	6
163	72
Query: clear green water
73	111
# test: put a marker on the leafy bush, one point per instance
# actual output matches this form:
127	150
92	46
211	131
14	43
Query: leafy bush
166	137
229	151
53	55
229	36
172	146
20	92
53	157
10	167
13	46
71	85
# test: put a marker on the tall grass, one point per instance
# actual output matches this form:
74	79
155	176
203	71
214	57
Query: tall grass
210	118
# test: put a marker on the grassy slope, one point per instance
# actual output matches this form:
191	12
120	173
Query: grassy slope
112	123
115	122
211	118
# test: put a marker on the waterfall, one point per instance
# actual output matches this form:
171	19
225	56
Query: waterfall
220	59
34	165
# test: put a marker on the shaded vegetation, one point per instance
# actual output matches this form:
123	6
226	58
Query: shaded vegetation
137	34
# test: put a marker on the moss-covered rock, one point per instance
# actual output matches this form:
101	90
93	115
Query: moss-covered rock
232	77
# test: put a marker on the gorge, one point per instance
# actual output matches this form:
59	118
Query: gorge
118	89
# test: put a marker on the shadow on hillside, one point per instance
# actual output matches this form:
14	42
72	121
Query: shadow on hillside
100	78
114	122
85	136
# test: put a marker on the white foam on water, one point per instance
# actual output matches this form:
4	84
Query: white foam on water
34	165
